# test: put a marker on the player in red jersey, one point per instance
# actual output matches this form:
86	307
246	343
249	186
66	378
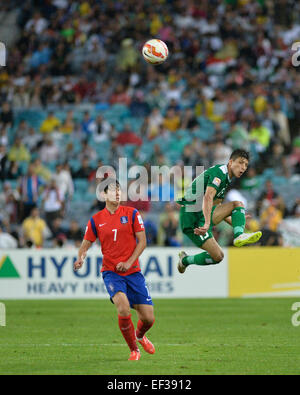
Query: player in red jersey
118	229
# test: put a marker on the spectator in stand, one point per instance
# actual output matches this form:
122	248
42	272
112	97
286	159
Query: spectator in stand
155	121
50	124
23	129
116	152
150	228
9	203
83	89
32	140
120	96
52	203
296	209
293	160
49	151
85	169
34	229
260	136
250	181
75	234
18	152
59	234
189	156
68	125
127	136
171	121
37	23
221	152
29	189
270	219
128	55
87	151
6	116
67	153
138	106
102	130
168	234
282	121
6	240
41	171
64	182
21	98
3	163
3	137
239	137
277	161
189	120
14	171
270	197
87	124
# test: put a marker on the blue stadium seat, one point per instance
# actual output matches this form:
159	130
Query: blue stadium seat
81	185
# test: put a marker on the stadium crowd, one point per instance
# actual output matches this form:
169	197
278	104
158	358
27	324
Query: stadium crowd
229	83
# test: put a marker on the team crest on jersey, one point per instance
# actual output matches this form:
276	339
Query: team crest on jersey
124	220
217	181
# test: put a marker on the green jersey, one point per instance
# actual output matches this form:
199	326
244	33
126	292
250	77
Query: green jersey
216	177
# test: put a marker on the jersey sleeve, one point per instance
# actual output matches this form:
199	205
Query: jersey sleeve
90	231
137	222
214	180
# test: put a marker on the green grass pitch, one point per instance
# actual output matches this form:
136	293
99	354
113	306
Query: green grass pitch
192	336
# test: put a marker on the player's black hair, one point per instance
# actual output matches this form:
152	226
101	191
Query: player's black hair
109	181
240	153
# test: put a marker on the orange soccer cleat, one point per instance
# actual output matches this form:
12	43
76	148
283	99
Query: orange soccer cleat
147	345
134	355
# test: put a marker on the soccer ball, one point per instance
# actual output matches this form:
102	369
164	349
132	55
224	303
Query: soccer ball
155	51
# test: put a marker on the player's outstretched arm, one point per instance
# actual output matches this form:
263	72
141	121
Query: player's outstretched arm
141	245
82	254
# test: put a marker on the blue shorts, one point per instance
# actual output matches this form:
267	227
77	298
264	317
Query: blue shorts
133	285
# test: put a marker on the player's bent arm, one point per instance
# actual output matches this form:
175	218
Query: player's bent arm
208	203
141	245
85	246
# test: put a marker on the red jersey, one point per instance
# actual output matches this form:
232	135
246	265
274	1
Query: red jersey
116	233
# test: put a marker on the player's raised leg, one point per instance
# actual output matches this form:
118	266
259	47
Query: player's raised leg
212	256
126	325
145	322
236	210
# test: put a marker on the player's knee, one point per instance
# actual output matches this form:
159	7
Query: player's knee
122	305
148	320
147	317
124	311
237	203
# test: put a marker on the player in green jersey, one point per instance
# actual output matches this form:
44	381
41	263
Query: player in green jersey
202	208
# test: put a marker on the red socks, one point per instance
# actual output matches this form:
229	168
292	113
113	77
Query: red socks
142	328
127	329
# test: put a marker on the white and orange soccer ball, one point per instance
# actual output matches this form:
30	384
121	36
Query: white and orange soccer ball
155	51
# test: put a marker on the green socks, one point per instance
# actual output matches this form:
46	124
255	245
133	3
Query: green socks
202	259
238	221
